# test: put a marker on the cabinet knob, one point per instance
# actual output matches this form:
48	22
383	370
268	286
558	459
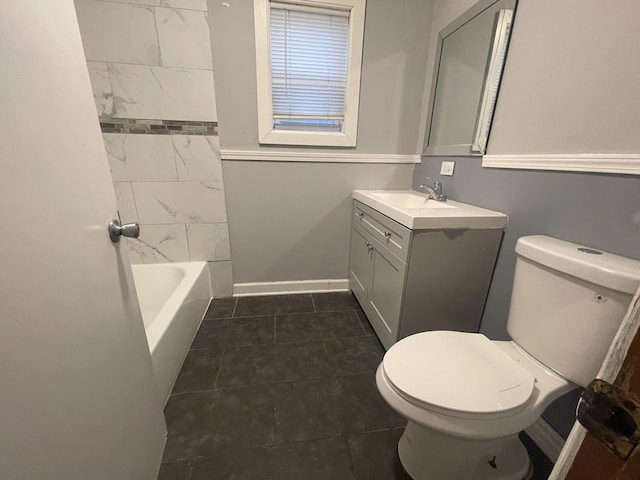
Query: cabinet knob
387	234
369	246
360	215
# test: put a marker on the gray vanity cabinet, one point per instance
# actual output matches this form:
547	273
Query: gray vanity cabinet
411	281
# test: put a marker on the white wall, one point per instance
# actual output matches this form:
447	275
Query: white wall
148	61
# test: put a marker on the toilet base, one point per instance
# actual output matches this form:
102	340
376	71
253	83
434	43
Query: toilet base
427	454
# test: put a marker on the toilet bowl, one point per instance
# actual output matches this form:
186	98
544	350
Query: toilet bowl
479	395
467	397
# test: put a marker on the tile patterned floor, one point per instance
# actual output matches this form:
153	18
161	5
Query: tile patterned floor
282	387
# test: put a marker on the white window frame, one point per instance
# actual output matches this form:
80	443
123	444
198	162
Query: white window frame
267	134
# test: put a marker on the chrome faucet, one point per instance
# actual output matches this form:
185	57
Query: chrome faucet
434	190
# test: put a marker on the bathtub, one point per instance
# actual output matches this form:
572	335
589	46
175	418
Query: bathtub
173	298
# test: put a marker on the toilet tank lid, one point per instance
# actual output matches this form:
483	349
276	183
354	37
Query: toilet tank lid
596	266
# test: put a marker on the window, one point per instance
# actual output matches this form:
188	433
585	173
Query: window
308	71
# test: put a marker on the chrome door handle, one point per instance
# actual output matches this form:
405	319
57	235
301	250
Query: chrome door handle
131	230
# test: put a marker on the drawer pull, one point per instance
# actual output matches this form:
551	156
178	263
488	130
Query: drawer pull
369	246
387	234
360	215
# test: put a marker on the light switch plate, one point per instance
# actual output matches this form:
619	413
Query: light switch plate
447	168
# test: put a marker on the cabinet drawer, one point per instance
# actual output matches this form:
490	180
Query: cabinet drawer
391	234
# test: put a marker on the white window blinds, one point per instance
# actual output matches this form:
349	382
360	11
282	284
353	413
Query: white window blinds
309	58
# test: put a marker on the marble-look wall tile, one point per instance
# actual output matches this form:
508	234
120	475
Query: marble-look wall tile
221	279
126	202
162	92
101	86
198	158
118	32
184	38
188	4
140	157
180	202
159	244
209	241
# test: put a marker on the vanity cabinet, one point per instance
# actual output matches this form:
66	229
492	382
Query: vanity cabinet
410	281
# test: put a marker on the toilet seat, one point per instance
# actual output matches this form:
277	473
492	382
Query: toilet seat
457	374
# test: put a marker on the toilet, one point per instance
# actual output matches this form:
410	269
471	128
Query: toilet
466	397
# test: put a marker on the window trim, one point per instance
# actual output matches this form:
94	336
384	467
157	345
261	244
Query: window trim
266	132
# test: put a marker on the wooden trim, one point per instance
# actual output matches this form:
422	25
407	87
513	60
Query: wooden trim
628	164
330	157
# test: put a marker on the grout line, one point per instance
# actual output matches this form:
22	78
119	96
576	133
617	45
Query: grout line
344	435
235	305
355	312
315	310
274	330
224	350
332	376
153	5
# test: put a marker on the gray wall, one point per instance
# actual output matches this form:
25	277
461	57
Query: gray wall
572	82
601	211
393	65
289	221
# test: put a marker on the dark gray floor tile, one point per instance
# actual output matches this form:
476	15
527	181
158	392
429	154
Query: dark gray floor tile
366	325
234	332
542	466
330	406
273	363
314	460
202	423
334	301
317	326
367	410
352	355
179	470
273	304
375	455
199	370
221	308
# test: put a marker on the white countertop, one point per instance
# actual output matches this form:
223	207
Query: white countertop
415	211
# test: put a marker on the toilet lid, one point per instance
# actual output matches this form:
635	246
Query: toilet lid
459	373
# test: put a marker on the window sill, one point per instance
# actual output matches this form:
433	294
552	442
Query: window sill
308	139
317	157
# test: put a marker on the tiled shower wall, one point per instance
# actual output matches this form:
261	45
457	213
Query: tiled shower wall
152	78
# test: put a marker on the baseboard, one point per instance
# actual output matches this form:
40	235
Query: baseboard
296	286
547	439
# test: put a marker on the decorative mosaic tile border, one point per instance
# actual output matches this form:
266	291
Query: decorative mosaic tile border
157	127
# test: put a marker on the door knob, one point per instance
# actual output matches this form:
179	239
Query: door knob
131	230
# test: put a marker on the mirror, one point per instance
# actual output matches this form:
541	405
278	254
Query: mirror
469	61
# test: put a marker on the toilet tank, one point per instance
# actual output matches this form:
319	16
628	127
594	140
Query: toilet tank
568	302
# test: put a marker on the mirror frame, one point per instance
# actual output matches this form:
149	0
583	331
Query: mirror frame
491	83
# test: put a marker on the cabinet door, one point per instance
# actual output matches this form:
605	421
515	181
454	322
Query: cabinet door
360	263
385	294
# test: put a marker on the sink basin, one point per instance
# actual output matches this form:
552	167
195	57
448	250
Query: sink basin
410	200
416	211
